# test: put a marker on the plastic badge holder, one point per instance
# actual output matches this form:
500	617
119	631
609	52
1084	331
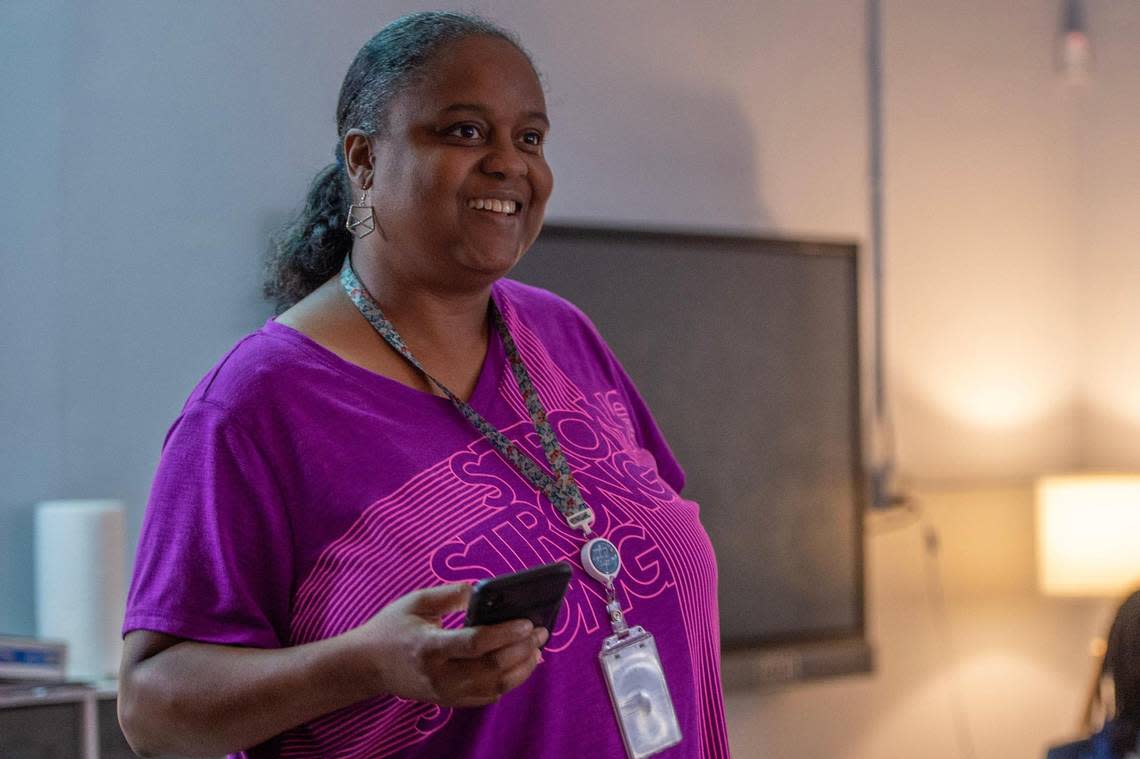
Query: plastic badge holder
639	693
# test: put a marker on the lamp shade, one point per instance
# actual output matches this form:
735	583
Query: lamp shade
1088	534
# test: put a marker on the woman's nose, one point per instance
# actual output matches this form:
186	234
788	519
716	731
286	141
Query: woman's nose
503	161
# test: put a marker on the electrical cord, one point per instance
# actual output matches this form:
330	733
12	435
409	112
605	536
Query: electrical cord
903	513
936	596
907	512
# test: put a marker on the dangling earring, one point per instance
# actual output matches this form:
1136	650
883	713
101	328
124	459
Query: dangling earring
359	224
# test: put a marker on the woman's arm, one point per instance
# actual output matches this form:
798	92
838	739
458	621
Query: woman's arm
200	699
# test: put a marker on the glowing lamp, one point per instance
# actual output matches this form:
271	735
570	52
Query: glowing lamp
1088	534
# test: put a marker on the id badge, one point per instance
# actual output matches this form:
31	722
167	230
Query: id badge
639	693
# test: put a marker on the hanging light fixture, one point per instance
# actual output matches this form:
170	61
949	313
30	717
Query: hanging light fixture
1074	58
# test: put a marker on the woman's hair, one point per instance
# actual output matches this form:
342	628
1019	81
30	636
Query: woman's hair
310	248
1121	665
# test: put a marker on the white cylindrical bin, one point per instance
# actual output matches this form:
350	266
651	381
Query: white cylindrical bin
81	582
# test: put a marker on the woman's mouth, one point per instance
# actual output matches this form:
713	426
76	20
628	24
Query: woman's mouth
494	205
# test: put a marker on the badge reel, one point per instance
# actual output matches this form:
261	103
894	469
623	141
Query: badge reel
632	667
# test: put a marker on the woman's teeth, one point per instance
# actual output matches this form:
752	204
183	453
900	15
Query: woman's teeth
491	204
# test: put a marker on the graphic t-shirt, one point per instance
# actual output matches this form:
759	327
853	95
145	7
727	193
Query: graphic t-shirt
298	494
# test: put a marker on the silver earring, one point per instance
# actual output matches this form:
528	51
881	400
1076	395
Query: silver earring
358	223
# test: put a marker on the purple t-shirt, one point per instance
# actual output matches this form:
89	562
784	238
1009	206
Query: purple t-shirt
298	493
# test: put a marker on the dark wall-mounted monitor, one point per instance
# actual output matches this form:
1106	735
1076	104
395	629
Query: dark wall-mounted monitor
747	351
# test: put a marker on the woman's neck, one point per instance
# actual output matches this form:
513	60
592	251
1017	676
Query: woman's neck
430	319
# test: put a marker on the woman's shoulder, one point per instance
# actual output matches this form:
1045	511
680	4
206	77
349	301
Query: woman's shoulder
257	370
522	295
541	309
567	334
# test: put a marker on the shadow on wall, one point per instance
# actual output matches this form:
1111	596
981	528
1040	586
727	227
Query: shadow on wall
637	151
1110	435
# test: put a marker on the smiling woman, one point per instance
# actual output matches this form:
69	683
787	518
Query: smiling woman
410	423
452	152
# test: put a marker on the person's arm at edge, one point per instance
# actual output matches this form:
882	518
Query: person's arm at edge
203	699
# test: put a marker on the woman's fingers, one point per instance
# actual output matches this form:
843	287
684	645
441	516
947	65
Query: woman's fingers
440	600
481	684
489	661
516	675
474	642
510	655
470	666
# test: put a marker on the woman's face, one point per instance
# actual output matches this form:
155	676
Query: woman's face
463	142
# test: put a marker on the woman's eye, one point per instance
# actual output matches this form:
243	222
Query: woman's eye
465	131
533	137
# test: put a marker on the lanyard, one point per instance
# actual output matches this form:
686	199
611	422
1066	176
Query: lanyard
637	684
562	492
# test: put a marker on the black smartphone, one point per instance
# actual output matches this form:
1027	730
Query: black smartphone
534	594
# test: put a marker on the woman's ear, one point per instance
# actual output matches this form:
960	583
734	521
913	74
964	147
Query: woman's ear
358	158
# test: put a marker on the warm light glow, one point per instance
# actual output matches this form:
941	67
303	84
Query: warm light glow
1098	647
991	400
1088	534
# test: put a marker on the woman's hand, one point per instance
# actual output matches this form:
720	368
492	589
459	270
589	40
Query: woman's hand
413	657
179	696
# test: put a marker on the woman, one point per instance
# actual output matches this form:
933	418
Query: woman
323	502
1113	718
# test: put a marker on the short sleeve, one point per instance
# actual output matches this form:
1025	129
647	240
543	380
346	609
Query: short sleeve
215	558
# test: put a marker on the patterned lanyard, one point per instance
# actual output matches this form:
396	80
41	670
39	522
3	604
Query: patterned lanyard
563	492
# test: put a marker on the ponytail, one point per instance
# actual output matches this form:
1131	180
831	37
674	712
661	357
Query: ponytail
311	247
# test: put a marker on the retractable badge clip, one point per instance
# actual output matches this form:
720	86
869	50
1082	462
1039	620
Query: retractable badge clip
601	560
